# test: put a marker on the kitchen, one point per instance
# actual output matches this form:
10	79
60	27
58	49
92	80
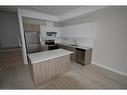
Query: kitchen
70	47
48	37
56	39
66	47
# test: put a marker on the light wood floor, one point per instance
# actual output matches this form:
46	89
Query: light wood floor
13	73
89	77
10	58
79	77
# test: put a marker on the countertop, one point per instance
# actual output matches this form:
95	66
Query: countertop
46	55
77	46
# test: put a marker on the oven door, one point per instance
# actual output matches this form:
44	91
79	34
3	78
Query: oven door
52	47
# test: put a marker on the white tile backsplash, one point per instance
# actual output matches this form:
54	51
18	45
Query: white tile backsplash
80	41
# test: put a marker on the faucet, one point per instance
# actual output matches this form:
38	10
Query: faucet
75	41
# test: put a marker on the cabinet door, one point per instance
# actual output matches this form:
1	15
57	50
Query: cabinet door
36	27
27	27
80	56
88	56
84	56
31	27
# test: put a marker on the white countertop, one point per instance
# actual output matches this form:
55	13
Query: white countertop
77	46
46	55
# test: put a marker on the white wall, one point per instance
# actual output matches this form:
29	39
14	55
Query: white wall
110	43
9	30
82	32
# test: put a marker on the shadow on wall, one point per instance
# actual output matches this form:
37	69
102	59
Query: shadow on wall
9	30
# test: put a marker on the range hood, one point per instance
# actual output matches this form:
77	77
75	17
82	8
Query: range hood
51	34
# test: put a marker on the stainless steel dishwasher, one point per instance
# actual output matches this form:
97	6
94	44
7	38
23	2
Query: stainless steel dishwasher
83	56
80	56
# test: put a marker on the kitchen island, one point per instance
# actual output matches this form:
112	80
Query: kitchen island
47	65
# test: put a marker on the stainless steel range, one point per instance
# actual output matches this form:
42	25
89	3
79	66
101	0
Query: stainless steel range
51	44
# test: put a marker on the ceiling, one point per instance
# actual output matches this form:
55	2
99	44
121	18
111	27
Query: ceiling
53	10
59	12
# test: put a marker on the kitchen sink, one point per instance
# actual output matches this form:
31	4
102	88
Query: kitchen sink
73	45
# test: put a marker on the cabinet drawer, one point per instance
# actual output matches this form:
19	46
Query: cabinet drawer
83	56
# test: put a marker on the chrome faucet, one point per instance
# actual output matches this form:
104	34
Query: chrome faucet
75	41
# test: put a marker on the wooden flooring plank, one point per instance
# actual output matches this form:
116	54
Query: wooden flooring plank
15	75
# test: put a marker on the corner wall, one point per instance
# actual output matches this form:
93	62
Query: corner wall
110	43
9	31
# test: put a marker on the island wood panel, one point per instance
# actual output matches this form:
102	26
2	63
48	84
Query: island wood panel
48	70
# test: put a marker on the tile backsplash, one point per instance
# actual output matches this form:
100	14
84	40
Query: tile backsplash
79	41
57	39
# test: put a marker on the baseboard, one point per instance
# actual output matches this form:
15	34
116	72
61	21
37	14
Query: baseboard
113	70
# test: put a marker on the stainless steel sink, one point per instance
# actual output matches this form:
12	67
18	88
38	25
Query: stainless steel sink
73	45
